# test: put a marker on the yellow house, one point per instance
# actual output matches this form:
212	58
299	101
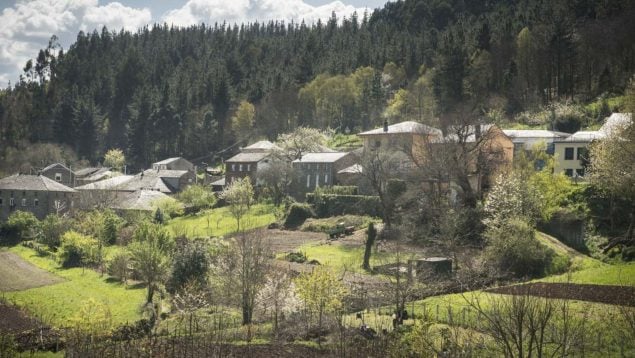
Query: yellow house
571	154
416	139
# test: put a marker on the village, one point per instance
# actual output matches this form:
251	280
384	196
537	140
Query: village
305	207
317	178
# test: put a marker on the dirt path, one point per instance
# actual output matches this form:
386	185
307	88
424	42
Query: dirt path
17	274
614	295
13	320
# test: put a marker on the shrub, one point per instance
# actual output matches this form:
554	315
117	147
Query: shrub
20	225
299	257
298	213
197	197
190	264
169	207
327	224
51	230
628	253
327	205
336	190
512	247
119	266
77	249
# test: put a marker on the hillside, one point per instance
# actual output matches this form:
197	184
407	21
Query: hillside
161	90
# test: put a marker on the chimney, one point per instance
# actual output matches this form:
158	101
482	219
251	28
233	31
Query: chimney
385	126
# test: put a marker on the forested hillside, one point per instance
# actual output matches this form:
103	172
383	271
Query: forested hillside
173	91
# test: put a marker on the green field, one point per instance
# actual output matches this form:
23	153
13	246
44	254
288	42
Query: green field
220	222
57	303
342	256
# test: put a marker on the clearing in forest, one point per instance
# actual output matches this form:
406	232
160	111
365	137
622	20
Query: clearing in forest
17	274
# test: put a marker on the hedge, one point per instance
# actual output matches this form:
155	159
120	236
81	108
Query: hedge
298	213
327	205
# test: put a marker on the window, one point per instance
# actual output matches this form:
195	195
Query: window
11	202
0	201
317	180
580	172
582	153
568	153
377	143
36	202
233	167
23	201
568	172
551	148
308	180
240	167
58	176
248	167
326	179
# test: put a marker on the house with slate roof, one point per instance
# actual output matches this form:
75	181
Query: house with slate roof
34	193
320	169
248	162
60	173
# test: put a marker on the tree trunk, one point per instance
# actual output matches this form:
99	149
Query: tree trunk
150	292
370	241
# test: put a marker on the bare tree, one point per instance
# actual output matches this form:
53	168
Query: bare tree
244	268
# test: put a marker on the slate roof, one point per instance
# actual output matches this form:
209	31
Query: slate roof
102	173
261	146
139	200
89	171
219	182
56	165
248	157
107	184
168	161
353	169
150	179
329	157
32	183
583	137
404	127
534	133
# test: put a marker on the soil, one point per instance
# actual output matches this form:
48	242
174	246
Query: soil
283	241
17	274
13	320
614	295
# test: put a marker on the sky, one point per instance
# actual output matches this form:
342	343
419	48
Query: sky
27	25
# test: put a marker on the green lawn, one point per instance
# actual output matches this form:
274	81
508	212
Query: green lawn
57	303
342	256
622	274
220	222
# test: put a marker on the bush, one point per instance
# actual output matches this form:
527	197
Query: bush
299	257
336	190
77	250
169	208
327	224
197	197
628	253
512	247
51	230
298	213
20	225
327	205
119	266
190	264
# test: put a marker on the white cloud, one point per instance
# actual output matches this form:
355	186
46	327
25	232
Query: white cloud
237	11
27	27
115	16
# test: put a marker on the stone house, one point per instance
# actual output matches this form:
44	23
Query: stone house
176	163
412	138
248	162
60	173
320	169
34	193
